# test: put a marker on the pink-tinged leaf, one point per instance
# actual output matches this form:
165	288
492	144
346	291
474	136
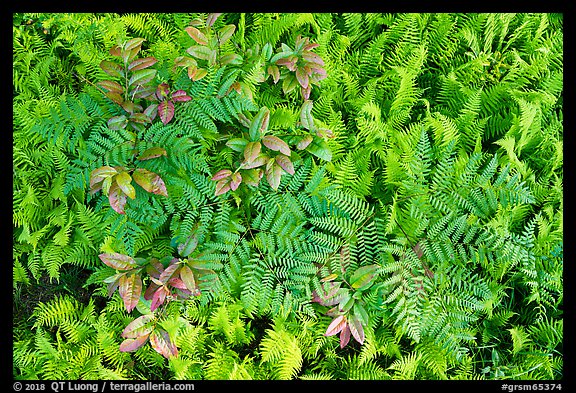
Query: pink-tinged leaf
306	118
133	43
356	329
230	58
158	297
117	122
222	187
211	18
166	111
141	77
244	120
152	152
132	344
197	35
112	286
154	268
152	288
140	64
117	198
251	151
139	327
131	107
99	174
222	174
140	118
252	177
304	142
151	111
118	261
177	283
312	58
320	149
196	73
274	143
160	341
170	271
289	62
274	72
201	52
146	92
111	86
115	97
285	163
259	124
306	92
187	277
235	181
116	51
302	77
111	68
363	276
180	96
225	33
162	91
184	61
186	248
130	289
336	325
124	180
273	174
324	133
262	159
150	181
344	336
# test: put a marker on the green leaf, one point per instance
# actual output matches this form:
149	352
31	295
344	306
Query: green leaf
118	261
124	181
142	77
306	115
187	277
235	181
150	181
117	122
188	246
289	84
139	327
319	148
252	177
274	143
201	52
111	68
225	33
362	278
356	329
237	144
273	174
259	124
133	43
152	152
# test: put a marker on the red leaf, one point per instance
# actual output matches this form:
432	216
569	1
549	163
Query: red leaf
168	272
312	58
274	143
118	261
152	152
140	64
177	283
344	336
130	289
180	96
158	297
160	341
285	163
336	325
132	344
117	198
115	50
166	111
197	35
139	327
149	293
222	174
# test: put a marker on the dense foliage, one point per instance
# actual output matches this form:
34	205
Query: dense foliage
288	196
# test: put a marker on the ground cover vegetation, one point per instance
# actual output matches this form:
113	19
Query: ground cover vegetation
287	196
